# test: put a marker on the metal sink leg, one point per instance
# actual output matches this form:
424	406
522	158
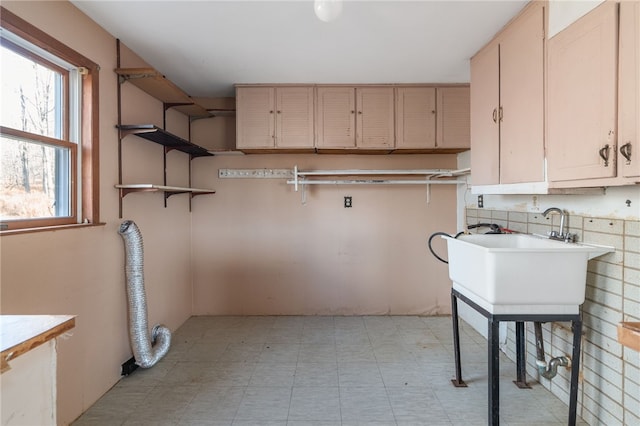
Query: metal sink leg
457	382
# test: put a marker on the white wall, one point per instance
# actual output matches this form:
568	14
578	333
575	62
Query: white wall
564	12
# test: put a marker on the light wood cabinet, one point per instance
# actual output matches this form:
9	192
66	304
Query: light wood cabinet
430	118
336	117
629	90
415	117
507	104
452	118
582	97
355	117
274	117
485	132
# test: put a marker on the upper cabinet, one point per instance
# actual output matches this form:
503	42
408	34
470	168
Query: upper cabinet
485	131
629	90
274	117
507	104
355	117
594	99
336	117
429	118
582	76
453	114
416	117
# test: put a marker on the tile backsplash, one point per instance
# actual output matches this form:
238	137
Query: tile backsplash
609	388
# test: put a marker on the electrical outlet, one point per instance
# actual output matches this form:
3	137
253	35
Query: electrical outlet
348	202
480	201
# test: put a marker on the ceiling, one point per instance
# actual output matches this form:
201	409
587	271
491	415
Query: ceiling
205	47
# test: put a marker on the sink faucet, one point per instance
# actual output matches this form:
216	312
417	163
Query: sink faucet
562	235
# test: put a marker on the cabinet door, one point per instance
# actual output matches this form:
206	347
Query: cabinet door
582	97
629	90
521	111
416	117
453	109
294	117
375	120
335	117
485	155
255	117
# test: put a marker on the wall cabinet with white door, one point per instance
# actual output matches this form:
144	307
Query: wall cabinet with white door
274	117
507	104
432	118
594	95
355	118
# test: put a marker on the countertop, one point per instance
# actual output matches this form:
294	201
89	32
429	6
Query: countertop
21	333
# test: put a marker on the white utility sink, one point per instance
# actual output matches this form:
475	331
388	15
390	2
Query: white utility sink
521	273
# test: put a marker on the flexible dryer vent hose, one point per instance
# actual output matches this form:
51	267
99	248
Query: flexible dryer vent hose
147	350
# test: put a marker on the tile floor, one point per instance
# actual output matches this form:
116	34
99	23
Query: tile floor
320	371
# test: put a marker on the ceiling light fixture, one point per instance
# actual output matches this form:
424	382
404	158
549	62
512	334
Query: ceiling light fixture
327	10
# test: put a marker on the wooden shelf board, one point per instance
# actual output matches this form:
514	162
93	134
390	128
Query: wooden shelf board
162	137
225	152
222	112
629	334
155	84
21	333
150	187
193	110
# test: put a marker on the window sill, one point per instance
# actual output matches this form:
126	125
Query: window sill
49	228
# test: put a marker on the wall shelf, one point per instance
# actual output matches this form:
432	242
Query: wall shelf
157	85
629	334
168	190
221	112
162	137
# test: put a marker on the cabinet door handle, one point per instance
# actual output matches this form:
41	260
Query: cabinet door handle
500	115
495	115
278	112
625	150
353	112
360	112
271	112
604	154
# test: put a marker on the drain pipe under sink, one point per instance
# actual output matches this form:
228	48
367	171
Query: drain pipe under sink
547	371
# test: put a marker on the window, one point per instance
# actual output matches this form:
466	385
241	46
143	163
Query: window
48	130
